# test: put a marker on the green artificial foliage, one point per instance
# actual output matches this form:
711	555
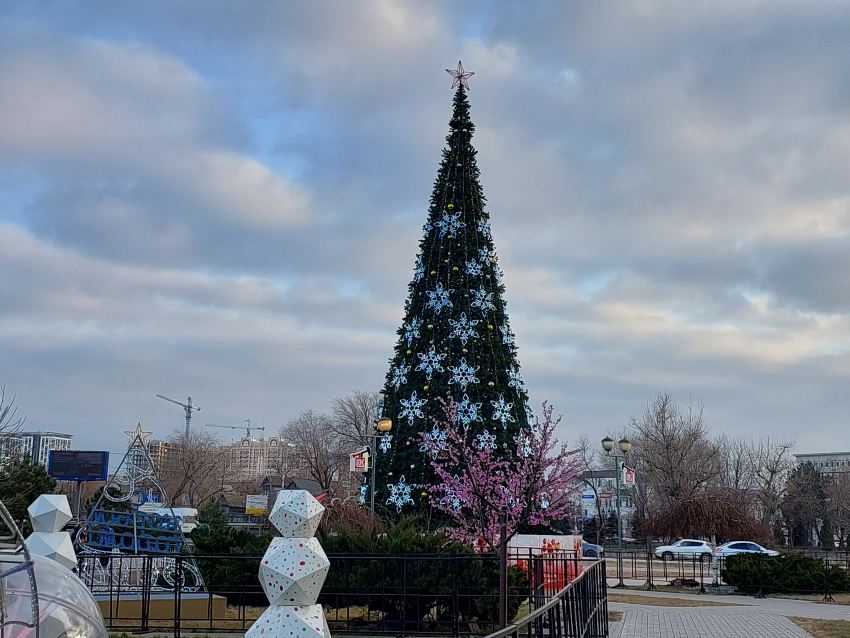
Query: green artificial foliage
456	340
24	482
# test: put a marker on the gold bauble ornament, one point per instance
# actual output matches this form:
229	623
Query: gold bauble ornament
407	443
491	384
445	261
410	352
433	272
430	326
431	343
454	269
424	493
425	388
489	327
450	206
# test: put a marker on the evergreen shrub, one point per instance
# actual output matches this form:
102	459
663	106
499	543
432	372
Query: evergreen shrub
786	574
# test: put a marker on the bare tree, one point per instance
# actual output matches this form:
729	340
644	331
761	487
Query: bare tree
10	426
590	463
354	417
196	467
838	499
737	469
673	447
319	445
771	463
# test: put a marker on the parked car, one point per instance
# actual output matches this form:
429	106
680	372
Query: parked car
589	550
742	547
685	548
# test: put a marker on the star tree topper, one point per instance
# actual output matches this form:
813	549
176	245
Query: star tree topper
138	433
460	76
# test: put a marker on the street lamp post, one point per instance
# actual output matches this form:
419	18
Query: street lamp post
625	445
384	426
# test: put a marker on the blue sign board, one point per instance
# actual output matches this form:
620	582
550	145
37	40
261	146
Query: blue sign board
589	496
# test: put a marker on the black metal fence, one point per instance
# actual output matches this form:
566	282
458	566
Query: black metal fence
579	610
798	573
453	595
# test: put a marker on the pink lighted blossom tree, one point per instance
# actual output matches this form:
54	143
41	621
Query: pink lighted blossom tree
532	484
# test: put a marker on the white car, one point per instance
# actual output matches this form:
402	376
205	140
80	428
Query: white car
685	548
742	547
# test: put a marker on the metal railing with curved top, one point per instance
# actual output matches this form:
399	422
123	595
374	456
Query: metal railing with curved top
579	610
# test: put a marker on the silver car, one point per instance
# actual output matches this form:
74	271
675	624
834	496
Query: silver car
685	548
742	547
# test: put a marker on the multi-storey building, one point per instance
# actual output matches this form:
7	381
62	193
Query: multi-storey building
37	445
827	462
161	452
252	458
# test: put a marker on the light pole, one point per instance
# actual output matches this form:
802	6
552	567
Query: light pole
384	426
625	445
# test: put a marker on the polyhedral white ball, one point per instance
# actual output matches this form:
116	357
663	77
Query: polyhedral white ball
54	545
293	571
296	514
284	621
49	512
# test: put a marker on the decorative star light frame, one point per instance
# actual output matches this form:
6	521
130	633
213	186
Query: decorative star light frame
459	76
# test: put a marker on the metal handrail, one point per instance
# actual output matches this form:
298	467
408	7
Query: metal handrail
514	628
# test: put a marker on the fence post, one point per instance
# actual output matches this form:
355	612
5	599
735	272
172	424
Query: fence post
827	594
503	570
761	576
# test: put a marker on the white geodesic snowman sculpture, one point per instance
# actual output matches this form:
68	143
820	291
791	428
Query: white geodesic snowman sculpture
293	571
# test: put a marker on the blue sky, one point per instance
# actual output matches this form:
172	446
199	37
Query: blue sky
222	201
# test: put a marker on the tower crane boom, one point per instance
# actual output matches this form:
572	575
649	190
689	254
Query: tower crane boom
188	407
248	427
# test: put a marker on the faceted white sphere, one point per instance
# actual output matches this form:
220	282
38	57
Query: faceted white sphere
296	514
293	571
55	546
49	512
284	621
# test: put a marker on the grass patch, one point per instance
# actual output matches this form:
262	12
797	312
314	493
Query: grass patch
663	602
820	628
615	616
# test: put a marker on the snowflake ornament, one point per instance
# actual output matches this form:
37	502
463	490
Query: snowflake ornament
411	330
426	229
467	411
449	224
451	497
362	494
385	442
419	271
484	256
463	374
502	411
529	415
484	229
439	298
435	442
399	375
412	408
483	300
399	494
544	500
430	361
507	337
516	378
463	328
474	268
525	446
486	440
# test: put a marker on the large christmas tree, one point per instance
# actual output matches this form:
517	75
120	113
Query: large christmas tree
455	340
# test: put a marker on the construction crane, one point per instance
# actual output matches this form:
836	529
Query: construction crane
247	427
186	406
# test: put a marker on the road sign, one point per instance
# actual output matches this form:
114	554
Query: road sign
606	495
588	496
256	504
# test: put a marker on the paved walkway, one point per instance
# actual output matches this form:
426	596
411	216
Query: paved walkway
740	617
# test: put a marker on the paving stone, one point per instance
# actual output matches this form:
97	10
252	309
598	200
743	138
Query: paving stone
696	624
